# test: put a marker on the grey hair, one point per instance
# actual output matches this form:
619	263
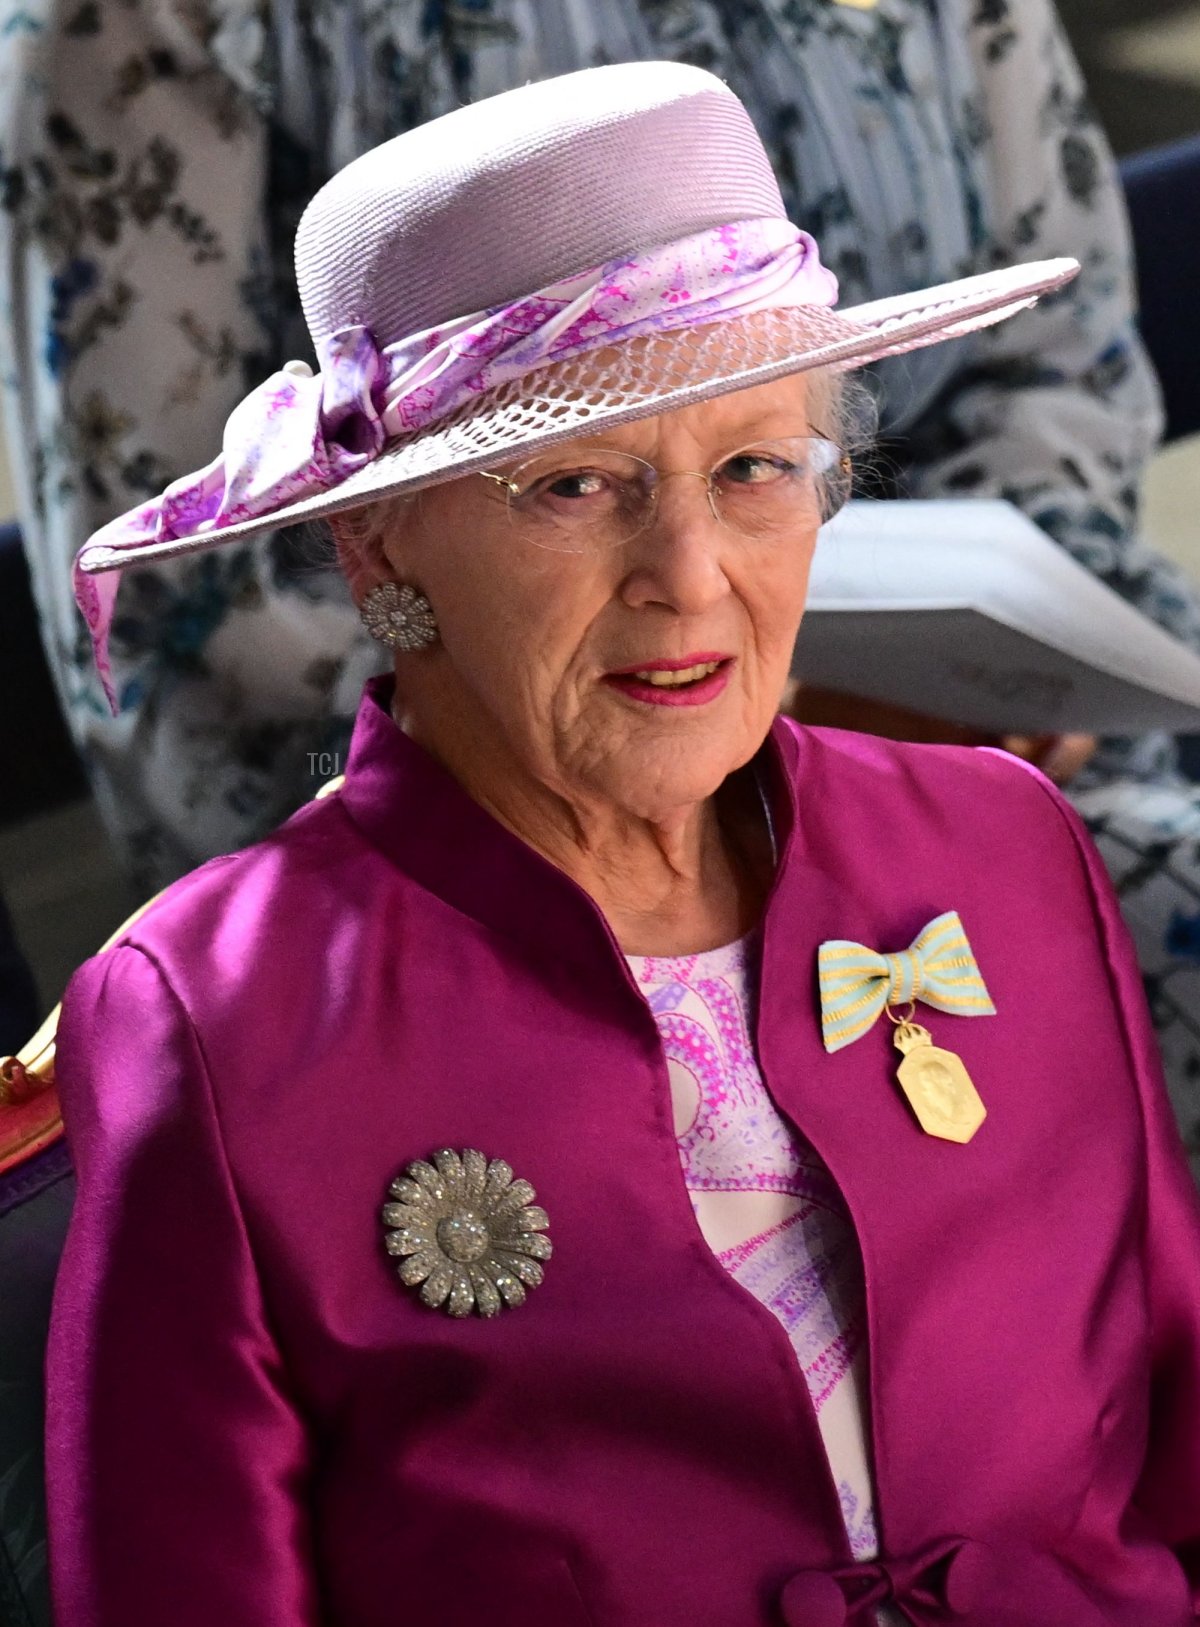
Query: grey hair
845	409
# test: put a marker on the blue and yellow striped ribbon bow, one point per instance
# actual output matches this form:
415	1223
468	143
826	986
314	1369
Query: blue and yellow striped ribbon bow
857	983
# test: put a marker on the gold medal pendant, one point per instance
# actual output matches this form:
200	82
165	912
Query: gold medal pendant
938	1086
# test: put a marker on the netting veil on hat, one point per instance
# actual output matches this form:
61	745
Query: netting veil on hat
579	252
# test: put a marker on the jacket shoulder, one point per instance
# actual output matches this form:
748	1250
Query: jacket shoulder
285	875
898	766
244	915
961	810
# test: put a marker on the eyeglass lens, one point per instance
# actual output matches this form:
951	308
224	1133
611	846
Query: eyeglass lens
576	502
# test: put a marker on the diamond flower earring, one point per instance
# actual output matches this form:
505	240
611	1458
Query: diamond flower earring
397	615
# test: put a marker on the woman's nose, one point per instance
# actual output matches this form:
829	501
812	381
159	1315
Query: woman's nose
678	560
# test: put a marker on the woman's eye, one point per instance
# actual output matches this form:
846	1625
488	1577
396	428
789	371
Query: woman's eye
755	469
571	485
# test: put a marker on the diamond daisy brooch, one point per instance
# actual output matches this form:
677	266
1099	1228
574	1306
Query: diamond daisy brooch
465	1233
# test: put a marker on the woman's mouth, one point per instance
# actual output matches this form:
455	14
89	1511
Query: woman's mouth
691	681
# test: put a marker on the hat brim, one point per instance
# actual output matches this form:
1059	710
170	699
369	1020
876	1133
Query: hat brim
596	390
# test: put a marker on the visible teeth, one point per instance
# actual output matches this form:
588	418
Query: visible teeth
685	675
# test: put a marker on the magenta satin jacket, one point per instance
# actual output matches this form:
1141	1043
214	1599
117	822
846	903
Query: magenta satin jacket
253	1423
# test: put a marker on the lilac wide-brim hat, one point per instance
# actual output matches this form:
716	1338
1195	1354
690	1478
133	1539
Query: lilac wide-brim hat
577	253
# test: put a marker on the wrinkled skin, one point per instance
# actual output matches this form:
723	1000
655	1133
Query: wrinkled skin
622	795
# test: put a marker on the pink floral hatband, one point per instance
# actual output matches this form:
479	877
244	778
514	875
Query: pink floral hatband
298	434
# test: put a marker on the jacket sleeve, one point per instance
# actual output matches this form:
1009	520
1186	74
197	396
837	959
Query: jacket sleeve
1169	1494
176	1461
1168	1497
1057	410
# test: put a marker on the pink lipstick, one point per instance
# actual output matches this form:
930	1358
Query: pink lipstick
688	680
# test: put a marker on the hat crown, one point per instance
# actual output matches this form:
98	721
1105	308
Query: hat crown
489	203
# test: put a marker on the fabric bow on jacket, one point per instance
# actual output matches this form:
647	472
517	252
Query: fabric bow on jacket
943	1583
856	983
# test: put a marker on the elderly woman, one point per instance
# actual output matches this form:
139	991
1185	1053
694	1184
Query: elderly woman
780	1338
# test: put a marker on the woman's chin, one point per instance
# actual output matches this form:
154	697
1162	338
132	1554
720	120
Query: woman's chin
661	785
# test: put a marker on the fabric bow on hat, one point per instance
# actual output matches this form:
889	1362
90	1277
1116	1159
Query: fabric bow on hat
857	983
299	435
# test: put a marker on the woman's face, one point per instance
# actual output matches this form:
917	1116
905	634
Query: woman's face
537	671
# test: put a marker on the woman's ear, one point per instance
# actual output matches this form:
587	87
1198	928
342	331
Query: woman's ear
358	537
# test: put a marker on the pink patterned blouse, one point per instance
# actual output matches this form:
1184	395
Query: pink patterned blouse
765	1202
